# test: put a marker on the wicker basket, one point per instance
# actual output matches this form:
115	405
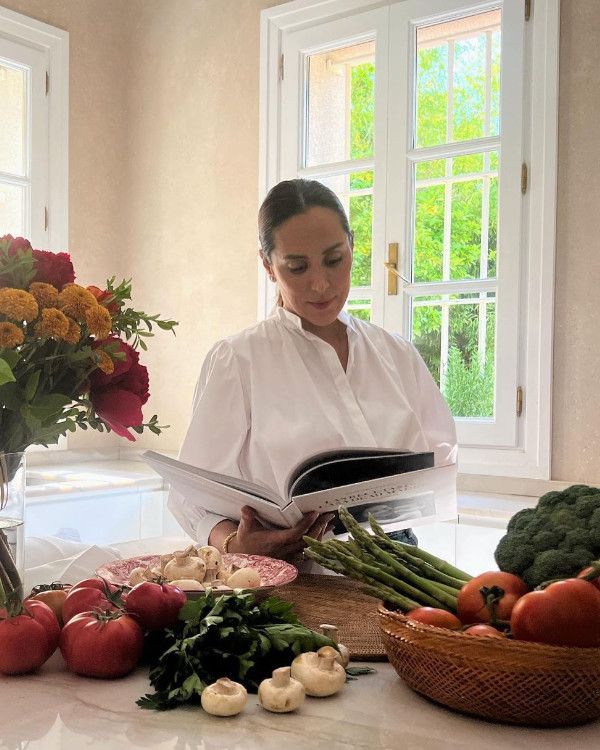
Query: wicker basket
497	679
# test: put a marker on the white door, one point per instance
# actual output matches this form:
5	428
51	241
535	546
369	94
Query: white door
453	160
399	111
334	129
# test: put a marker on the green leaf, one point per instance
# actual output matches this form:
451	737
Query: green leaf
49	405
6	373
32	385
11	356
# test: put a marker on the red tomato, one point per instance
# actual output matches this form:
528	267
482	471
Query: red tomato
486	631
155	605
99	645
595	581
89	596
471	604
54	598
28	639
565	613
433	616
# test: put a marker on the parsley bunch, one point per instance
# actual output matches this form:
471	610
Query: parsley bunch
226	636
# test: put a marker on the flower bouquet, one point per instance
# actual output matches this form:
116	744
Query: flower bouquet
68	359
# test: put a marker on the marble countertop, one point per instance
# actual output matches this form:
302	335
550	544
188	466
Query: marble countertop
55	710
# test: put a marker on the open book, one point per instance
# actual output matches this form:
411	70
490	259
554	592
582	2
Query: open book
400	488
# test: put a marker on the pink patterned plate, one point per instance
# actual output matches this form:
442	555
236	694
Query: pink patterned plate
272	572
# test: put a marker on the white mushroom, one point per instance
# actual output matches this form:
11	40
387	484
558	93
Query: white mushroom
187	584
137	576
319	672
210	579
223	574
210	555
185	566
331	632
281	693
224	698
164	559
244	578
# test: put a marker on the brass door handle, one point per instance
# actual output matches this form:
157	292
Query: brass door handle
392	266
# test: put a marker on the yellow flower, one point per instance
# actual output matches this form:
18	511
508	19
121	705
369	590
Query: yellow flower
106	364
74	333
98	321
75	300
52	323
45	295
10	336
17	304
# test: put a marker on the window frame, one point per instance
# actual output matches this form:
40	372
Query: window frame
531	455
54	44
48	230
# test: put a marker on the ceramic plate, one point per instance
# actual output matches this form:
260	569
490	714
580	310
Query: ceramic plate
272	572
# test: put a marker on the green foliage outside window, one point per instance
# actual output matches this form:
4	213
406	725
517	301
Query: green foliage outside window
469	381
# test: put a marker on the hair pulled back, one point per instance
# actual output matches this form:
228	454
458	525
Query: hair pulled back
290	198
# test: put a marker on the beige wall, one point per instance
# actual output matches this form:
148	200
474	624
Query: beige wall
164	187
576	417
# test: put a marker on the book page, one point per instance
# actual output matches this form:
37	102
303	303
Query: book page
346	467
174	467
399	501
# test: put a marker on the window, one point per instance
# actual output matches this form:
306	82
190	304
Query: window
34	134
33	131
420	115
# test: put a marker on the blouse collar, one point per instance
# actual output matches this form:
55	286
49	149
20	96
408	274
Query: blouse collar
294	322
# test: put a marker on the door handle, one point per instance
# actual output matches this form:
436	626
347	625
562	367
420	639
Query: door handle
392	264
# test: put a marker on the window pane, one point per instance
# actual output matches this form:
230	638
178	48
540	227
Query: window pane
340	104
355	191
360	308
456	218
465	233
429	233
427	335
455	335
13	90
12	213
469	378
458	79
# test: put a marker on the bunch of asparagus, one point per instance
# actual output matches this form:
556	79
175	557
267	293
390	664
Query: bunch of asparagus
402	575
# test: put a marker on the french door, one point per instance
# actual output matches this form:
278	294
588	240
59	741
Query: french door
400	111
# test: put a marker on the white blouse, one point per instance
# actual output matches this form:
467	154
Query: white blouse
274	394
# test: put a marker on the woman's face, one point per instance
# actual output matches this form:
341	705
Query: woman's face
311	262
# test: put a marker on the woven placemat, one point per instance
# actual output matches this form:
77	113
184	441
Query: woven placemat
335	600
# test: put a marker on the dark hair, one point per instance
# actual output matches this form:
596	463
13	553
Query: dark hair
290	198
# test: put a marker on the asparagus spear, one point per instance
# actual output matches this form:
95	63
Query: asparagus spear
365	540
436	562
379	574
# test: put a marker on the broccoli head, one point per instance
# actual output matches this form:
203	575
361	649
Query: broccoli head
521	519
556	539
554	563
514	553
586	505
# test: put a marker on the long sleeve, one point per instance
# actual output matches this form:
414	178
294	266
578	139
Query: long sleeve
215	435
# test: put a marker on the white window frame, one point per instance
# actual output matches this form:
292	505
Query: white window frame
531	455
49	220
49	231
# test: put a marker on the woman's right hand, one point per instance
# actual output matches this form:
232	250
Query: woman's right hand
253	538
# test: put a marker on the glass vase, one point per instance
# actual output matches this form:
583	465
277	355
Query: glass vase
12	506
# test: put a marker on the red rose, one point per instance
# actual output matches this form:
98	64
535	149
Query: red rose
102	296
53	268
50	268
118	398
16	243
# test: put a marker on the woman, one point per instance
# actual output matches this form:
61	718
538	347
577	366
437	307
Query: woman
308	378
